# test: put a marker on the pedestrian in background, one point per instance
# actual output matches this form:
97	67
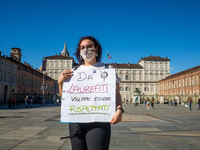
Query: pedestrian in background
199	103
152	102
148	103
10	102
26	101
189	100
13	102
171	102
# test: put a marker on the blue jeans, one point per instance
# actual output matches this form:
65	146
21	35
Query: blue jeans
199	106
189	105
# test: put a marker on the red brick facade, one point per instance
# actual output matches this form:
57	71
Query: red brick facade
181	84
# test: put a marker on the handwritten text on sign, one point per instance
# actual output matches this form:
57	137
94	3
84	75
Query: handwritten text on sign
89	96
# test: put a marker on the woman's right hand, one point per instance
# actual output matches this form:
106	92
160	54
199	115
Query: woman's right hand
65	75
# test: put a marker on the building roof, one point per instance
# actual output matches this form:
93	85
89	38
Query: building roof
58	57
181	73
128	65
154	58
16	48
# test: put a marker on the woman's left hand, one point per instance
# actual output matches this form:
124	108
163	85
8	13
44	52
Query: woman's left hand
117	117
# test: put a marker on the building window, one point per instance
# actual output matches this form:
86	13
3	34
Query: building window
151	65
12	79
134	78
190	81
186	82
1	76
127	77
197	80
193	80
145	65
179	83
156	65
4	77
151	76
161	66
121	88
166	65
183	82
146	87
146	77
127	88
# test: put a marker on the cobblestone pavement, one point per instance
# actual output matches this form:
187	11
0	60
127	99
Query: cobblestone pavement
162	128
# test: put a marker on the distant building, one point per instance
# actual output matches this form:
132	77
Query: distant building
20	79
181	85
142	77
57	63
8	78
16	54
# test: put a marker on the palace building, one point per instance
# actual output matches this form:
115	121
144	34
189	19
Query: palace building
142	78
181	85
57	63
20	79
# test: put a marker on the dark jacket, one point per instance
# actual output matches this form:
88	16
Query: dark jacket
189	99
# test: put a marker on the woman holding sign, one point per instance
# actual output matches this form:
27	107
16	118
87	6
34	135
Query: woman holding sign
95	135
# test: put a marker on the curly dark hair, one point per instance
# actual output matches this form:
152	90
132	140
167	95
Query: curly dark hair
96	43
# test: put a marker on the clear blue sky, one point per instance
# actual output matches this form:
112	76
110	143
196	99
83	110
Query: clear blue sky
127	29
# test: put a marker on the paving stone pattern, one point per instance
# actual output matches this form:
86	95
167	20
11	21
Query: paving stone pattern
162	128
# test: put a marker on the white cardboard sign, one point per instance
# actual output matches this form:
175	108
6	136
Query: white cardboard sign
89	96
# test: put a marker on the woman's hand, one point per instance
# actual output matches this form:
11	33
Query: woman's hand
117	117
65	75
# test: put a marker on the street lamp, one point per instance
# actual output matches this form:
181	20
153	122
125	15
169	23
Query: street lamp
43	87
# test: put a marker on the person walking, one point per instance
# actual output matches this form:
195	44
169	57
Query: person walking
199	103
94	135
13	102
189	100
26	101
152	102
148	103
10	102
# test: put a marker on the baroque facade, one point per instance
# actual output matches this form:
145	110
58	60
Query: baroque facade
144	76
58	63
8	78
181	85
20	79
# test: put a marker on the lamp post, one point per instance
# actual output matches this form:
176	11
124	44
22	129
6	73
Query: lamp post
43	87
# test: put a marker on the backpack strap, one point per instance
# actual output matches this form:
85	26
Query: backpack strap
106	65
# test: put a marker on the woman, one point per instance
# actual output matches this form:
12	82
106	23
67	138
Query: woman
91	135
152	102
148	103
